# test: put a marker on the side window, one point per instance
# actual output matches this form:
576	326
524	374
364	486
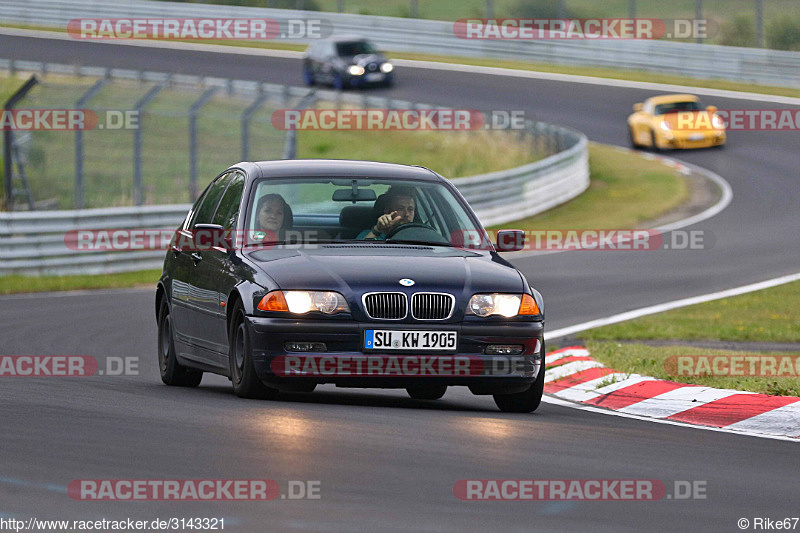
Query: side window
210	200
229	205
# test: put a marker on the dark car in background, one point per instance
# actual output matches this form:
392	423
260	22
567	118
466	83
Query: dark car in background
281	278
346	62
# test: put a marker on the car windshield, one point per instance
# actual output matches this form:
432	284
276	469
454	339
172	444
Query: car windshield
305	210
676	107
354	48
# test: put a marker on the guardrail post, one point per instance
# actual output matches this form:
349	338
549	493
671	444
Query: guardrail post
698	14
246	116
489	9
193	110
83	101
290	145
760	23
138	195
8	139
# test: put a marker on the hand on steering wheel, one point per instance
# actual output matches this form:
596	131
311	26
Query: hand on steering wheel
410	225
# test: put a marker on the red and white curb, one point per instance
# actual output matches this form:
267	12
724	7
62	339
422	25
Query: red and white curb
579	378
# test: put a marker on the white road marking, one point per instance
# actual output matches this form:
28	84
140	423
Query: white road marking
569	369
667	306
588	390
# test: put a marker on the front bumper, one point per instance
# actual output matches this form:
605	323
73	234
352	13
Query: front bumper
347	364
693	139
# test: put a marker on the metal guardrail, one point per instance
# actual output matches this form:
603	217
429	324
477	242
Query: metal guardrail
770	67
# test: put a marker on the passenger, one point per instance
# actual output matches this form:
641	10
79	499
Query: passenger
273	215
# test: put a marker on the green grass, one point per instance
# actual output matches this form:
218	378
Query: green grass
650	361
626	190
13	284
453	154
771	315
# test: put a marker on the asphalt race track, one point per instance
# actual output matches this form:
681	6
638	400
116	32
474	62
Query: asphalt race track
383	460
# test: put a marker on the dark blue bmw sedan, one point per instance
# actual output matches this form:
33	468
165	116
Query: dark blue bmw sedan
289	274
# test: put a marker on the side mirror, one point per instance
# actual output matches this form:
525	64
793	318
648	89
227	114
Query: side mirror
712	109
208	236
510	240
638	107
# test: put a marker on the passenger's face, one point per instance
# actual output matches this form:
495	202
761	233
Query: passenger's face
270	216
404	206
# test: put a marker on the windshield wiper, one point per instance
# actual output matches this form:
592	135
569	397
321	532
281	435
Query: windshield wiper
412	241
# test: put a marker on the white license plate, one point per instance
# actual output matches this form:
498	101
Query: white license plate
375	76
381	339
697	137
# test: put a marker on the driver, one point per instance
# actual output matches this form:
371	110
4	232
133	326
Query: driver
400	209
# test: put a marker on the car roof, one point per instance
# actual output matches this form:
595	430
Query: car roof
337	168
672	98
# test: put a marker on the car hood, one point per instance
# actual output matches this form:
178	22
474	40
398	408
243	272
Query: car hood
363	60
358	268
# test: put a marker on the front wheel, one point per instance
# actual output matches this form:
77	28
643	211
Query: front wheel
523	402
338	82
430	392
308	77
243	375
172	372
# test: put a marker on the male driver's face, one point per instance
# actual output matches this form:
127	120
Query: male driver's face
404	207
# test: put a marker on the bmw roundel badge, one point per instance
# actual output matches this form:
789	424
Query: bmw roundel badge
406	282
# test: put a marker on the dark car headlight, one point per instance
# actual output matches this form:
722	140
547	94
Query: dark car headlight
507	305
386	68
301	302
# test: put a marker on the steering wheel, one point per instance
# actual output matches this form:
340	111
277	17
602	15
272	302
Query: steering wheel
424	232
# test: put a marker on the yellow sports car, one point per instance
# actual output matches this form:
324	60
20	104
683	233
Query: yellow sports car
675	121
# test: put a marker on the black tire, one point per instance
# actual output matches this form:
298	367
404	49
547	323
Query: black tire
338	82
523	402
246	383
428	392
654	146
172	372
631	139
308	77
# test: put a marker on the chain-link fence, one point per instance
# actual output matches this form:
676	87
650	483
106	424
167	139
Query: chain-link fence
145	139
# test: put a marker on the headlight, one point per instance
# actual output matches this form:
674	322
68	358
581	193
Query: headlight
507	305
355	70
386	68
717	122
666	126
301	302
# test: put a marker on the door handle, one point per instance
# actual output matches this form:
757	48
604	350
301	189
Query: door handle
196	257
